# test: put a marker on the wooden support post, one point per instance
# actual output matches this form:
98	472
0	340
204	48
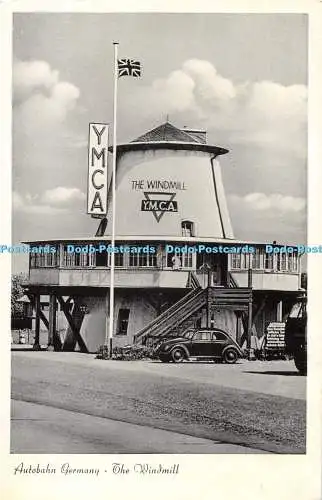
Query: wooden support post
279	312
250	316
36	345
42	317
52	322
208	311
249	323
237	326
74	324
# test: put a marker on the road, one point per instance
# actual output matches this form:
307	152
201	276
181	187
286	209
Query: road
73	403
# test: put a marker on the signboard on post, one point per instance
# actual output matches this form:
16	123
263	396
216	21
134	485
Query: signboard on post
275	337
97	169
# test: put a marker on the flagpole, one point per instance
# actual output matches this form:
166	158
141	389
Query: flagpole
111	304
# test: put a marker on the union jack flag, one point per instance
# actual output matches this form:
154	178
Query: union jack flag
129	67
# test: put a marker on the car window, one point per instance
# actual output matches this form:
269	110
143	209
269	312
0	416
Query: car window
218	336
202	336
296	311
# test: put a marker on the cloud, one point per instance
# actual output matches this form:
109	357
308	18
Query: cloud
38	78
268	217
264	113
269	202
28	205
45	126
31	75
62	196
41	100
43	104
54	201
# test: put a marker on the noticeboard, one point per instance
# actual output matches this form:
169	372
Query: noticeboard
275	336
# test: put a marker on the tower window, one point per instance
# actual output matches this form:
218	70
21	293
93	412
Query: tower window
187	228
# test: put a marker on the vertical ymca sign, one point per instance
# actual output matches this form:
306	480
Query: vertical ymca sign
97	169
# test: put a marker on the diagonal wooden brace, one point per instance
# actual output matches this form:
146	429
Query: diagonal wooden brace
75	329
41	314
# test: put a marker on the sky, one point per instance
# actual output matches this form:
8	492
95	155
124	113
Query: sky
242	77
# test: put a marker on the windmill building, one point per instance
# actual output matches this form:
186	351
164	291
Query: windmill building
178	263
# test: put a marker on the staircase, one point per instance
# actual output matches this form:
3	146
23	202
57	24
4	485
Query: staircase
230	298
174	315
235	299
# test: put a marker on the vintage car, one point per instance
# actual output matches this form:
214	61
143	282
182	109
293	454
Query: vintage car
204	343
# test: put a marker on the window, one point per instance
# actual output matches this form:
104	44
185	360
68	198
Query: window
41	260
187	228
169	259
240	261
142	260
68	258
219	336
235	261
282	262
119	260
51	259
77	257
123	321
101	259
83	261
91	259
293	263
246	260
202	336
186	260
257	259
268	261
296	311
32	260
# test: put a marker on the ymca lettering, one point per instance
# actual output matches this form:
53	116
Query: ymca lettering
159	205
97	169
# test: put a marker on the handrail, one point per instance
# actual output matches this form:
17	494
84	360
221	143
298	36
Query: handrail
168	313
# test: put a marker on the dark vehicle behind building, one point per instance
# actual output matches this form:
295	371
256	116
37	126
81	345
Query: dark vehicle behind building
295	335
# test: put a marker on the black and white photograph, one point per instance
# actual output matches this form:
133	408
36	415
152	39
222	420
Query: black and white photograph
185	276
159	239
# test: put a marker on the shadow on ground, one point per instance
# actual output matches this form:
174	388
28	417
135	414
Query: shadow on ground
286	374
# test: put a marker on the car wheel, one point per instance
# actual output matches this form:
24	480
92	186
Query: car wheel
301	362
230	356
178	355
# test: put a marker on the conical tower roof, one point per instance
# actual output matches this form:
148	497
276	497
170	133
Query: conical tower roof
167	133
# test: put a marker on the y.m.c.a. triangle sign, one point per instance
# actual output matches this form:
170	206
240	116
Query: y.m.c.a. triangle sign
158	203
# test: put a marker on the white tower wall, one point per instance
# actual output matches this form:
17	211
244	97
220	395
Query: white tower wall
197	192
